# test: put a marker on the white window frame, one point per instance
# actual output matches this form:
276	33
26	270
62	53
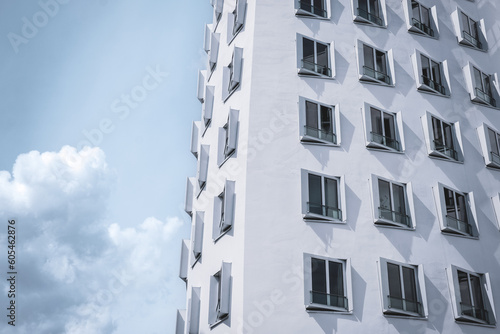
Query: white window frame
213	53
197	237
208	107
456	298
427	87
409	206
413	27
236	20
456	18
478	97
366	78
398	123
232	74
313	217
190	193
420	287
207	36
200	93
220	295
331	58
495	200
218	10
228	137
203	167
362	20
180	323
308	139
184	263
435	152
486	146
438	191
347	280
193	312
224	211
195	138
301	12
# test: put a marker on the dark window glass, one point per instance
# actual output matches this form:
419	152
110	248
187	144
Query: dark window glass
331	196
381	64
322	54
368	57
376	121
315	198
436	72
461	207
395	292
463	283
399	199
475	283
493	141
336	279
311	114
326	119
409	284
389	128
426	68
450	203
308	50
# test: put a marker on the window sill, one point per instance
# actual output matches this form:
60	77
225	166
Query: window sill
363	21
416	31
493	166
315	141
302	72
423	88
463	42
404	315
390	224
233	36
222	234
319	308
231	92
227	158
196	260
308	15
443	157
480	102
370	80
219	321
381	148
313	218
465	320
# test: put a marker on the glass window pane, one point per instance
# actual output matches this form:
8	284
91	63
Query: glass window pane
474	29
399	199
487	84
449	200
409	284
326	119
436	72
384	194
436	131
389	127
363	4
478	80
374	8
315	198
475	283
461	207
463	283
311	114
336	279
376	121
426	68
493	141
415	10
465	23
381	64
319	4
368	57
425	16
322	56
318	278
448	135
331	198
394	281
308	50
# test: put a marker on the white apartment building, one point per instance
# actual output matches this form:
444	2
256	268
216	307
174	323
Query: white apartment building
348	178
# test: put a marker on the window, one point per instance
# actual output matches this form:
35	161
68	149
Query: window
311	8
469	32
236	19
383	129
391	203
322	197
442	138
224	211
232	75
374	65
195	133
183	270
228	137
431	75
208	107
201	86
190	190
403	289
193	311
481	86
327	284
472	298
213	52
370	12
197	237
218	7
319	122
422	20
220	292
203	166
456	211
180	322
490	145
314	58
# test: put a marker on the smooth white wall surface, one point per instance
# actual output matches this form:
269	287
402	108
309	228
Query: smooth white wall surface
269	238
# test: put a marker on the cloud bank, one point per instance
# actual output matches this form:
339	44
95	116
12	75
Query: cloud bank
79	273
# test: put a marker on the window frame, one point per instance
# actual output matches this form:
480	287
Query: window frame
228	137
200	93
191	189
301	71
220	295
480	97
389	64
184	262
224	211
481	44
195	138
236	20
429	85
495	201
232	74
313	217
358	18
398	124
456	297
202	170
413	27
218	11
193	311
432	150
421	293
208	107
442	212
305	138
301	12
486	146
347	285
408	197
197	237
213	53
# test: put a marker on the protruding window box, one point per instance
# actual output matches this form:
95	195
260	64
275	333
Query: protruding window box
190	193
197	237
193	312
372	12
470	32
312	8
483	88
383	129
421	19
180	322
224	211
184	265
443	139
489	138
319	123
374	65
315	58
201	86
195	138
220	295
236	20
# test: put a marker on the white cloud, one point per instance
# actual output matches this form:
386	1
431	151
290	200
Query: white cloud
78	272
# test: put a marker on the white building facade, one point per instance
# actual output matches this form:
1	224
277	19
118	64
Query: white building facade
348	159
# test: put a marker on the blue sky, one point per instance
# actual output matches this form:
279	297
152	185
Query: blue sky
99	228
